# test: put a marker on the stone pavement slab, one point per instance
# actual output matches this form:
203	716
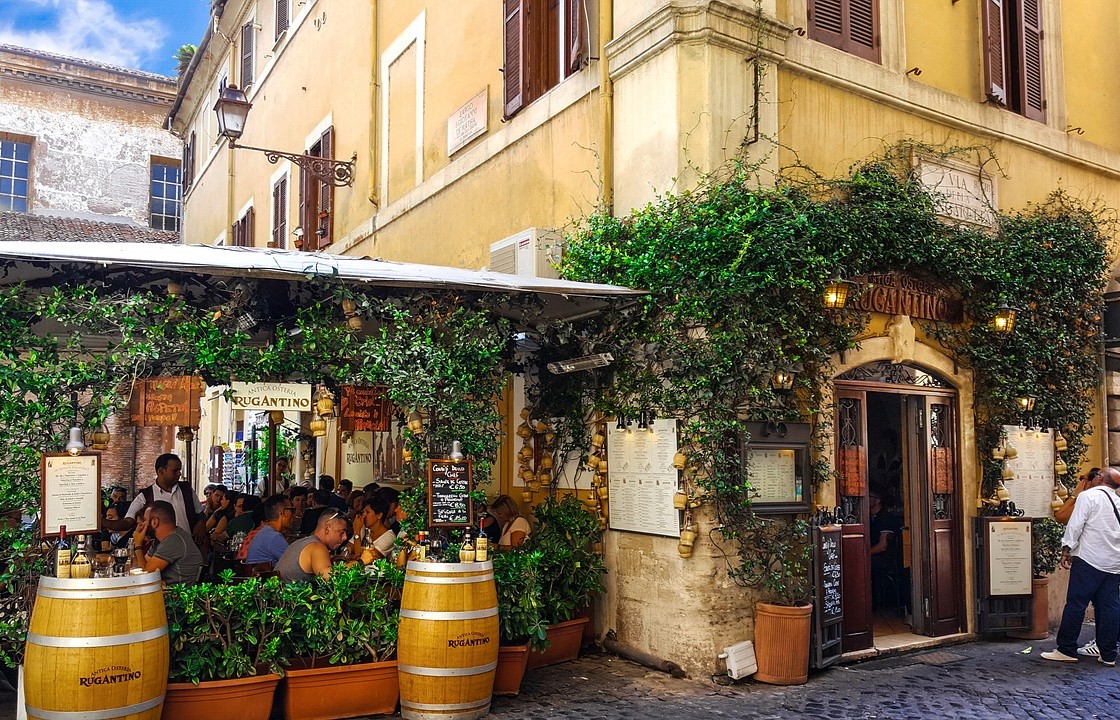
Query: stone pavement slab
984	680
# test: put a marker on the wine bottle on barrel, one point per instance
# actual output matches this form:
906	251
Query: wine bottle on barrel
62	555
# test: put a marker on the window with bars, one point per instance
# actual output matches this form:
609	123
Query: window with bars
316	198
165	201
1013	56
545	41
15	175
850	25
280	213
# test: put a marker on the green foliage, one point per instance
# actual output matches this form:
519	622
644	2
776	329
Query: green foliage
226	630
348	619
572	574
287	440
517	573
736	272
1046	546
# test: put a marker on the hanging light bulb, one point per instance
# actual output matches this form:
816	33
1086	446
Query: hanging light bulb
76	444
1004	320
835	293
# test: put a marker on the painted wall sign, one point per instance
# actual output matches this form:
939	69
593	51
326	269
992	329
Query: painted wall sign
902	294
162	401
272	396
363	409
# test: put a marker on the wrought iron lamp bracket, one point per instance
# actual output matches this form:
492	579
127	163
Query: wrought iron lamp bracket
339	173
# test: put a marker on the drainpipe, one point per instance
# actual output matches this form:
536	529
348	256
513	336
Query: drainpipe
606	106
230	209
374	91
611	644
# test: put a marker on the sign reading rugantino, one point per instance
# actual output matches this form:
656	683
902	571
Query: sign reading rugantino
162	401
294	397
902	294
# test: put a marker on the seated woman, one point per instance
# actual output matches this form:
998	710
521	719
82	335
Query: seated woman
515	529
375	521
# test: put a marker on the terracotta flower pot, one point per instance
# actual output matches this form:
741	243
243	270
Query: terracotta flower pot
512	661
247	698
340	691
565	639
781	643
1040	612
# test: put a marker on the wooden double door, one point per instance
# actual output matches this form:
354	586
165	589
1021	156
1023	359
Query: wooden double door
900	443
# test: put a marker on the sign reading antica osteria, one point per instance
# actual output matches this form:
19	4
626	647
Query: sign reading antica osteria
272	396
898	293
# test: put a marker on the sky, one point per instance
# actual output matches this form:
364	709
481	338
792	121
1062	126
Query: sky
138	34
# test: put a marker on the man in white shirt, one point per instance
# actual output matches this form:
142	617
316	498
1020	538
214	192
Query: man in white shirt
1091	553
167	487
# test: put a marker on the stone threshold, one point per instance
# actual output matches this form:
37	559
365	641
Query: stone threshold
903	643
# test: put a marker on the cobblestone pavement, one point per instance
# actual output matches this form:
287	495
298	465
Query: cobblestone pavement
988	680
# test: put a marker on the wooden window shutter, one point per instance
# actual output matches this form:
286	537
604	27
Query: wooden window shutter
516	80
826	22
188	163
246	55
1033	103
280	213
248	232
577	35
235	234
281	17
307	212
863	29
995	49
325	220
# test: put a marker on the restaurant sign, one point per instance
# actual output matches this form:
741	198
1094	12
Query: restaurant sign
898	293
294	397
162	401
363	409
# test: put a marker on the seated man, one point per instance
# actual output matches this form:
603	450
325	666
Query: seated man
311	556
174	553
318	501
268	543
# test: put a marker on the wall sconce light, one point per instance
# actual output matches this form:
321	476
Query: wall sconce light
76	444
232	109
623	423
1004	319
1026	404
645	420
835	293
782	380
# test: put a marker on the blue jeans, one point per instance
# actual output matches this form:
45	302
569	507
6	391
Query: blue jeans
1086	583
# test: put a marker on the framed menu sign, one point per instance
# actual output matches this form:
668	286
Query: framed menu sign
450	483
776	460
71	491
1006	556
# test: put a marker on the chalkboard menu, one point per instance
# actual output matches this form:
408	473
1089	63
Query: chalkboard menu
450	484
828	609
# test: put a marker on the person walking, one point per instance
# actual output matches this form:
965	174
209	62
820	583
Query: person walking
1091	553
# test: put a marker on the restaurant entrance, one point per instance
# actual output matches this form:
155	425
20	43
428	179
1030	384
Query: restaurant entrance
899	462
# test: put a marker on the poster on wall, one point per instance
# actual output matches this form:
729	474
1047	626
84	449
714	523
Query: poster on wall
71	492
1032	488
357	459
643	480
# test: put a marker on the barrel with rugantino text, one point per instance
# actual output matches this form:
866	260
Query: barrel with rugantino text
447	646
97	648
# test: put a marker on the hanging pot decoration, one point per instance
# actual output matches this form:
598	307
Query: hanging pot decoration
546	462
1060	443
276	416
1060	466
527	496
524	431
318	428
99	439
998	452
186	434
1010	452
604	492
324	402
597	440
680	460
1008	474
406	454
415	422
1061	491
1001	493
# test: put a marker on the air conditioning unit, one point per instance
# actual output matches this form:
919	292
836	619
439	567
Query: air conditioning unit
531	252
740	660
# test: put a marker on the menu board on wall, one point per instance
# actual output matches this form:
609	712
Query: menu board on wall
1032	489
71	491
643	481
774	475
450	484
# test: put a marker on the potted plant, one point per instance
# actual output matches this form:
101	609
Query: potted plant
571	574
520	624
1046	553
226	649
346	639
774	555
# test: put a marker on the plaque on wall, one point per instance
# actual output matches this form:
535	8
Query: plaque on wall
71	492
1032	488
643	481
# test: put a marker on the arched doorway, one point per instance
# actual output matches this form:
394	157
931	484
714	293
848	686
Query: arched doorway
897	430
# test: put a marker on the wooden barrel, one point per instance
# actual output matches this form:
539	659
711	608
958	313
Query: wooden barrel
97	649
447	645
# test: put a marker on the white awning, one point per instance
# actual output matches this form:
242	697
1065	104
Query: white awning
29	261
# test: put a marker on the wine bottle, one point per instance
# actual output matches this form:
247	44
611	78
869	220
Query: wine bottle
466	550
62	555
482	548
81	566
422	547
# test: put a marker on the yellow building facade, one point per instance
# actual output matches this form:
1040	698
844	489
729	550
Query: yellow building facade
474	124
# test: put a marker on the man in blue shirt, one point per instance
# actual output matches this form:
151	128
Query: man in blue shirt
268	544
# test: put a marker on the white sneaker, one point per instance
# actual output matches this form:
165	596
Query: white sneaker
1089	649
1058	656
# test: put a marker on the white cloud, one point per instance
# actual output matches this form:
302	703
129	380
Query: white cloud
89	29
